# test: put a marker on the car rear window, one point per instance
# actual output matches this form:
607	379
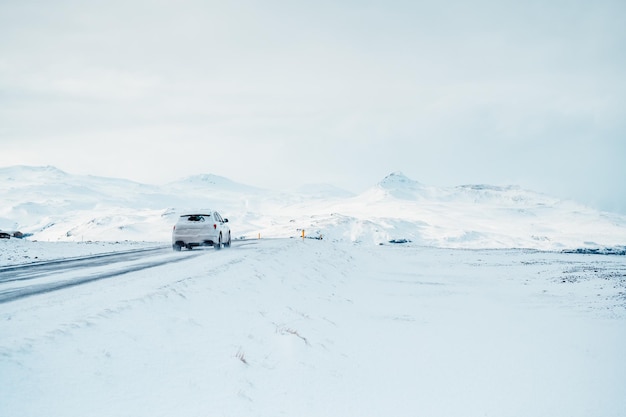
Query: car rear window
197	217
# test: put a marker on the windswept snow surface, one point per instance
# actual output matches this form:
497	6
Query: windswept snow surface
293	327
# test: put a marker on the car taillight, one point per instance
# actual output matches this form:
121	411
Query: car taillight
214	226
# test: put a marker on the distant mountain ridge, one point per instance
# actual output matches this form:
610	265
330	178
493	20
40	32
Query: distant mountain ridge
398	180
54	205
214	182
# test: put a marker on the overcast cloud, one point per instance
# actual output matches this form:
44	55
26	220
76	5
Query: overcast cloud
282	93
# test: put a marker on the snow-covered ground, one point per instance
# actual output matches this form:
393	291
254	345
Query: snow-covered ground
293	327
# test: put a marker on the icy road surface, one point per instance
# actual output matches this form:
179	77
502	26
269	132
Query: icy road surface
19	281
318	328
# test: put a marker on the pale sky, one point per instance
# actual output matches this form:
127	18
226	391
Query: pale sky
278	94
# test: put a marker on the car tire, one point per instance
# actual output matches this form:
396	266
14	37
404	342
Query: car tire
219	243
176	247
227	244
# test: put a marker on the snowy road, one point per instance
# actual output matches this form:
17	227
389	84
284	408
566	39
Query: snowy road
318	328
19	281
37	278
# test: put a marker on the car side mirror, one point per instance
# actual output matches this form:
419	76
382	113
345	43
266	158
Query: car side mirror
225	220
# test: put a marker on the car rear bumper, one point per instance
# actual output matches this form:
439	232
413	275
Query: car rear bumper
194	239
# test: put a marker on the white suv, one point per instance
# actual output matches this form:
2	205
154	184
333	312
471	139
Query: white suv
201	229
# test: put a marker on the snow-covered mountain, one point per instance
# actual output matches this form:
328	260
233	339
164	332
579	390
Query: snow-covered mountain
53	205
